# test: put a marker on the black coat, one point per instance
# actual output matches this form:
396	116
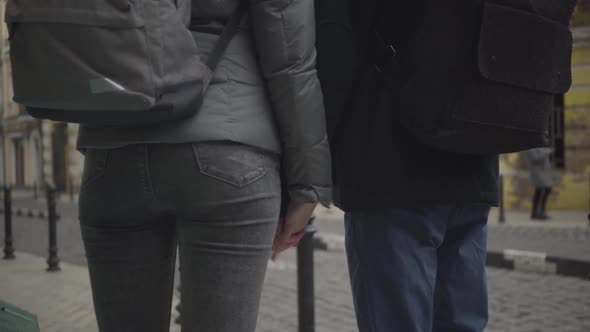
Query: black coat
377	163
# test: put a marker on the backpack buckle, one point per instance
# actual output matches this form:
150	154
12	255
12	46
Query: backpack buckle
385	53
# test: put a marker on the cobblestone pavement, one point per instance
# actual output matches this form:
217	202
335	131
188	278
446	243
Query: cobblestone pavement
519	302
62	301
528	302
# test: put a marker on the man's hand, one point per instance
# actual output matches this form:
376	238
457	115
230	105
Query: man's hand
291	229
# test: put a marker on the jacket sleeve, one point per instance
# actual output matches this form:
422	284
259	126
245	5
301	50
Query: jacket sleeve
284	33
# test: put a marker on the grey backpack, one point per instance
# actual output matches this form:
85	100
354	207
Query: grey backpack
109	62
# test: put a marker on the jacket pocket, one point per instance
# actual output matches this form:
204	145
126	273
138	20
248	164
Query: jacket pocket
95	165
525	50
235	164
523	60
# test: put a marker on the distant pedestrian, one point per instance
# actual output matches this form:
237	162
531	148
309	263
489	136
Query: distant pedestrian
542	178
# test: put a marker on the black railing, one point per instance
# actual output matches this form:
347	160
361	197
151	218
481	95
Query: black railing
53	259
8	245
51	215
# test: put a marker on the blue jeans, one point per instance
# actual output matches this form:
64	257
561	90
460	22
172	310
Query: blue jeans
419	270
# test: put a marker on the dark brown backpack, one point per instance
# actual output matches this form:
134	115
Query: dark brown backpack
479	77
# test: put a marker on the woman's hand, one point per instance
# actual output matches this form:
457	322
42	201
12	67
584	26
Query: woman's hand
292	228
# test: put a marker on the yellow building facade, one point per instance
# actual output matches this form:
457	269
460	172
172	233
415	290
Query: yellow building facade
33	152
571	129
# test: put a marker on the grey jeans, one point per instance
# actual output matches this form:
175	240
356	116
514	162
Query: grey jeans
219	202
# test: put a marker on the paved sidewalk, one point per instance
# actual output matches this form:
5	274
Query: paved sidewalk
566	235
519	302
62	301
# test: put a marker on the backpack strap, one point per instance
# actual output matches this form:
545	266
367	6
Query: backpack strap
231	29
382	51
363	16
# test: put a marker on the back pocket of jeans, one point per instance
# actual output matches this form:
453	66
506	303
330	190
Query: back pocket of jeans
95	164
236	164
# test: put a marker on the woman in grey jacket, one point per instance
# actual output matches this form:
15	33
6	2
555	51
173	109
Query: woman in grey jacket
210	183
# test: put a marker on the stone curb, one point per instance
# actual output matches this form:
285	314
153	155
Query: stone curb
518	260
538	262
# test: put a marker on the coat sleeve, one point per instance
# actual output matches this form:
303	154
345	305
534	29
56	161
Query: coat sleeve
284	34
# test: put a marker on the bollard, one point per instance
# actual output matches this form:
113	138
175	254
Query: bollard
502	213
35	191
305	280
72	196
53	260
8	247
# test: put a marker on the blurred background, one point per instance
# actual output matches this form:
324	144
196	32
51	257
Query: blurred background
539	270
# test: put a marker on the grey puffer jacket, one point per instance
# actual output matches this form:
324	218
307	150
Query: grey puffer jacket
265	93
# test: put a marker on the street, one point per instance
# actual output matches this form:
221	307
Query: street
519	302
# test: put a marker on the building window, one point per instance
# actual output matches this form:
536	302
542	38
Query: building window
557	131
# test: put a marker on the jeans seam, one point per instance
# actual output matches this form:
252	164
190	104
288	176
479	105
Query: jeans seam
364	287
145	171
99	170
171	285
148	173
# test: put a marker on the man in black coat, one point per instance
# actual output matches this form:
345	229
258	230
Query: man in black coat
415	216
405	82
